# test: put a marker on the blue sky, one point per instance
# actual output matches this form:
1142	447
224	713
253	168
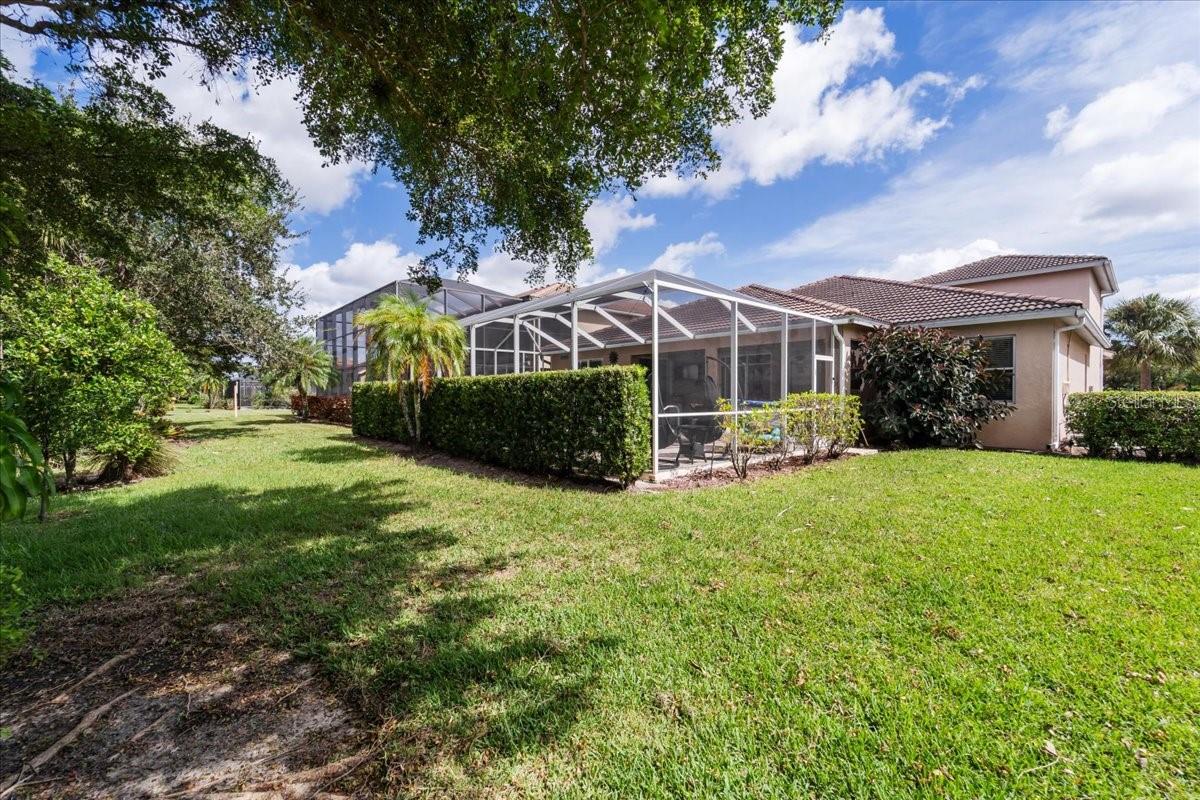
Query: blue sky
918	137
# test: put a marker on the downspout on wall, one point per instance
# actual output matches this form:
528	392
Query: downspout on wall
1056	381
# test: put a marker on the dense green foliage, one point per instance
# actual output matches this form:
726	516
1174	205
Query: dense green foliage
1153	333
910	625
406	339
24	474
1157	425
1123	373
588	423
502	119
376	412
190	218
303	366
92	363
823	424
808	424
12	606
926	387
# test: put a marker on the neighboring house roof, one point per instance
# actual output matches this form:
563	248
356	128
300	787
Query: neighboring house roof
548	290
1008	266
903	302
799	302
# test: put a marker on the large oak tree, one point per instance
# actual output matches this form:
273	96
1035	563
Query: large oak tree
502	119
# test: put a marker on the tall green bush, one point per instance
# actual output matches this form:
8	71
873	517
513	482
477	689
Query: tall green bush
823	423
589	423
926	387
90	360
1157	425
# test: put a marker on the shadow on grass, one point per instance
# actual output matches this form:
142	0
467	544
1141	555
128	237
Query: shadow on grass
360	447
226	427
406	627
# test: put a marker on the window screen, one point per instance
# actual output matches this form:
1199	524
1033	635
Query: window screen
1002	366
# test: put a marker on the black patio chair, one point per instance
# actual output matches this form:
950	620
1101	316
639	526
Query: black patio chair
702	431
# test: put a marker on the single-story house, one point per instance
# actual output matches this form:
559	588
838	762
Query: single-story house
1041	315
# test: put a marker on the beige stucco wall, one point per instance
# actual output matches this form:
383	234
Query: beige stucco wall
1071	284
1028	427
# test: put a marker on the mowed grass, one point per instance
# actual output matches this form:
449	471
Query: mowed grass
919	624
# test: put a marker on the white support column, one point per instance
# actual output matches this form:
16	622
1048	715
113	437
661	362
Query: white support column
574	336
734	389
654	381
516	343
783	359
471	349
812	384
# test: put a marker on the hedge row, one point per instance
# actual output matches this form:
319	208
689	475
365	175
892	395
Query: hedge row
332	408
590	423
1157	425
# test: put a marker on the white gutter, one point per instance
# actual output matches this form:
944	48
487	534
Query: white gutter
1056	381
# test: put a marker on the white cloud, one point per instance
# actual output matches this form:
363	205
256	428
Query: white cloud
1178	284
680	256
817	117
1127	111
361	269
1096	46
502	272
907	266
606	219
1090	191
21	51
1140	192
271	115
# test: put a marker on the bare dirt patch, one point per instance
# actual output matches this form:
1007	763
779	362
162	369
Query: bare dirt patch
147	696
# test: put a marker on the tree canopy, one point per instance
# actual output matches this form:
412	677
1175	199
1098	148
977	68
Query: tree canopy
501	119
1154	332
191	219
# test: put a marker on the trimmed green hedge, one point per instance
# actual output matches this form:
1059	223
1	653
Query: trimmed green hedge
588	423
375	411
1159	425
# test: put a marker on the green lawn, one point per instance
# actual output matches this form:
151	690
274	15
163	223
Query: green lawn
904	625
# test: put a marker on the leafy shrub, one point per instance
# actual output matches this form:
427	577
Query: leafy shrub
926	387
132	449
1158	425
823	423
333	408
90	358
376	411
810	423
593	422
12	604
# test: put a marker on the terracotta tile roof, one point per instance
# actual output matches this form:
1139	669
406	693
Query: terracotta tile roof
548	290
905	302
1005	265
799	302
707	315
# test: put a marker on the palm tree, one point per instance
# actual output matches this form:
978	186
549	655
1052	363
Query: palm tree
212	386
1155	330
305	367
406	339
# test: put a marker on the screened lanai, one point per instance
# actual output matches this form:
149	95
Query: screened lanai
688	333
346	342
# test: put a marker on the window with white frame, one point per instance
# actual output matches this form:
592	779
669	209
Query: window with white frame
585	363
1002	366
